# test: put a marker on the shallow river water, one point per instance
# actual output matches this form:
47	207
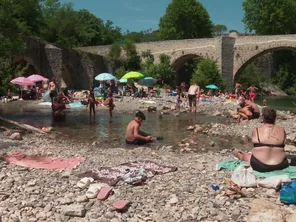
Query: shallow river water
111	132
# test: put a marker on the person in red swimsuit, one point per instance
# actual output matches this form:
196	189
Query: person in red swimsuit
252	89
133	134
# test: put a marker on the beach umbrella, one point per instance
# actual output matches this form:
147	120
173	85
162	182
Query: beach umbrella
133	75
22	81
148	81
212	86
36	78
105	77
123	80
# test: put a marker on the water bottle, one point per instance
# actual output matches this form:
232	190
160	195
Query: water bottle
215	187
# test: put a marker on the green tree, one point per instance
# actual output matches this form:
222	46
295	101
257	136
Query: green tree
219	29
162	71
207	73
250	76
185	19
119	72
14	20
270	17
133	60
114	53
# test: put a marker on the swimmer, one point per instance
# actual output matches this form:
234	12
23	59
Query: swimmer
264	102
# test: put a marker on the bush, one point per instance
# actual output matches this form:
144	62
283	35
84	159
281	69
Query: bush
208	73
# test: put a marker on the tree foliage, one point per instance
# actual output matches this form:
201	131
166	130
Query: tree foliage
162	71
185	19
270	17
250	76
207	73
219	29
133	60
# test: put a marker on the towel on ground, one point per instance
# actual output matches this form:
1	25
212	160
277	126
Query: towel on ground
233	164
42	162
112	175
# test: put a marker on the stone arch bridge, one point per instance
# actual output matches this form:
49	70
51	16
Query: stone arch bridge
79	66
231	53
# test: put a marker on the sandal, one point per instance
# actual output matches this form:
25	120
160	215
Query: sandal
121	204
104	193
84	182
94	189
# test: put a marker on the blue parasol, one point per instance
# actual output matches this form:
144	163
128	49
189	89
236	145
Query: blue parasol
212	86
104	77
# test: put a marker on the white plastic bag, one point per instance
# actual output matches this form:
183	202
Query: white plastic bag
274	182
244	176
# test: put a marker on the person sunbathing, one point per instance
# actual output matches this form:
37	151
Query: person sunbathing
248	110
268	153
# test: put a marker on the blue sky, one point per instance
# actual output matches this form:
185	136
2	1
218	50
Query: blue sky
137	15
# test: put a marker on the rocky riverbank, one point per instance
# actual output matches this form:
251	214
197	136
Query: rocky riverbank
184	195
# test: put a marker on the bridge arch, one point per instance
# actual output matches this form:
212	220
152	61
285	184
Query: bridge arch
253	56
23	60
184	73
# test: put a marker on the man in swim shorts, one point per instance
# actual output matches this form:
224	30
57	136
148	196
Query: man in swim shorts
193	94
133	134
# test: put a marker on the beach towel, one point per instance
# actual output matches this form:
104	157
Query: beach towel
233	164
112	175
42	162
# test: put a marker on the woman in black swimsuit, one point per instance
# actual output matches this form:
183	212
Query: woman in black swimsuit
268	153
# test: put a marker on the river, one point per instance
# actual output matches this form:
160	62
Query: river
279	102
111	132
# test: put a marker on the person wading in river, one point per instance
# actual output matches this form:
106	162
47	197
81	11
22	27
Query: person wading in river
53	89
133	134
193	94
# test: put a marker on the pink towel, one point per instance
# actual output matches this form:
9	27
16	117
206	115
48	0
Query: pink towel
40	162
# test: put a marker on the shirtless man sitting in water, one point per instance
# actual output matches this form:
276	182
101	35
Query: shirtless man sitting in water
133	134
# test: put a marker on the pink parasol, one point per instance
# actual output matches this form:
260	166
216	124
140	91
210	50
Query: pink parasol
22	81
36	78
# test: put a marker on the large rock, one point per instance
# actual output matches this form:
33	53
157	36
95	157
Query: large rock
265	211
16	136
74	210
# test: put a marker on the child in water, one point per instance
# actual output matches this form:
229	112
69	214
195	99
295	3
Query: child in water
109	103
264	102
91	102
178	101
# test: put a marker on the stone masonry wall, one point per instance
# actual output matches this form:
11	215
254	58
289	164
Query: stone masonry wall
79	67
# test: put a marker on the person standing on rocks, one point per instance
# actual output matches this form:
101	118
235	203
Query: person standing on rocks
252	92
193	95
238	90
45	83
53	89
133	134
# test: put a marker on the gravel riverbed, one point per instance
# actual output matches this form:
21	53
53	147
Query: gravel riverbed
184	195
